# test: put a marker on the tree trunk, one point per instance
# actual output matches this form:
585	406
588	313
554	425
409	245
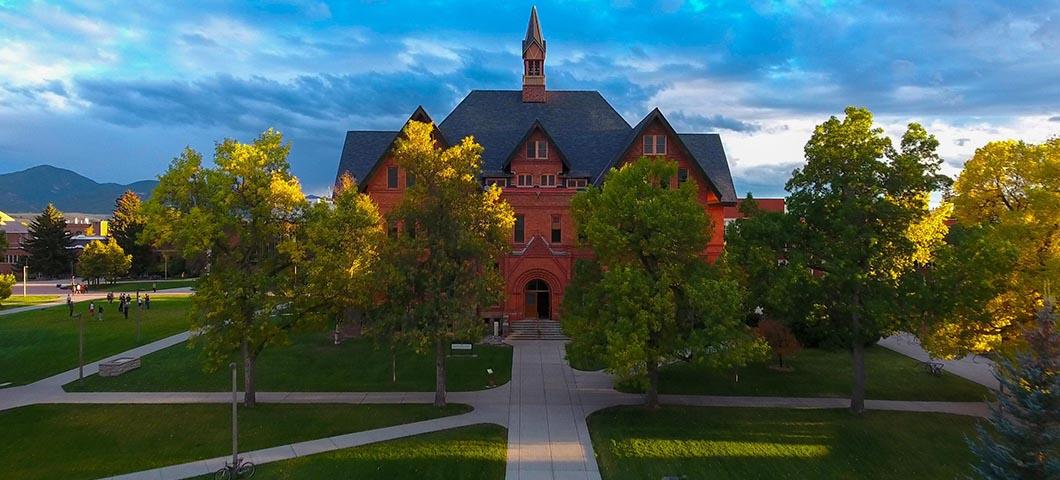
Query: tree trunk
653	385
249	390
439	373
857	396
393	365
780	360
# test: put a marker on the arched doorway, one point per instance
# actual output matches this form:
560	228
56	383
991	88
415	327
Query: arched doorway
537	303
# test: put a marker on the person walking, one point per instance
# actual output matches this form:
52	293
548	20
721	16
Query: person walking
154	287
100	312
147	302
70	303
139	303
91	310
110	297
125	309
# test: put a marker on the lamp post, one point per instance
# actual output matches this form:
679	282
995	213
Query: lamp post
25	278
235	423
80	348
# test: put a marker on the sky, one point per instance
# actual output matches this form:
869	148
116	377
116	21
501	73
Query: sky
115	90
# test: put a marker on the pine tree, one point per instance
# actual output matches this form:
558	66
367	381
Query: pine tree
1025	443
48	243
126	224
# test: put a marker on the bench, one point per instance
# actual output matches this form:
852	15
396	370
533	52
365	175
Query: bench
934	368
118	366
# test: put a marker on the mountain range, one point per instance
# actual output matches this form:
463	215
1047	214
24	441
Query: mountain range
30	190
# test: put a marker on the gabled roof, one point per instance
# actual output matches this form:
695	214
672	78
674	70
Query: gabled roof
581	123
710	158
364	151
536	126
591	136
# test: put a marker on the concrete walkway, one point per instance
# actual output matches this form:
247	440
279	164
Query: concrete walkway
544	408
975	368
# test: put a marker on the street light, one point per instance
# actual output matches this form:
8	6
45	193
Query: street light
25	278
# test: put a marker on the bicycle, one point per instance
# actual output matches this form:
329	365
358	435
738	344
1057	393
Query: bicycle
240	470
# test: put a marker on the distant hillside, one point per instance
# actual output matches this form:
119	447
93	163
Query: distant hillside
32	189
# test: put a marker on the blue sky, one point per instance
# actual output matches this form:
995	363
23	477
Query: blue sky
114	91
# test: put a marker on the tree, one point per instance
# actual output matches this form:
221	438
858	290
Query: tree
441	270
48	243
342	243
127	223
1025	441
1010	190
3	241
7	281
243	214
652	299
104	260
780	339
852	212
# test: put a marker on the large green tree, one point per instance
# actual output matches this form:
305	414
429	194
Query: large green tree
48	244
127	223
243	213
651	298
441	270
858	216
103	260
7	281
1010	192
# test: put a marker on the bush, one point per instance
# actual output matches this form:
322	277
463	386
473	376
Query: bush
6	282
780	339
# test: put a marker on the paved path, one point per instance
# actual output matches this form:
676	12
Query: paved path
544	408
975	368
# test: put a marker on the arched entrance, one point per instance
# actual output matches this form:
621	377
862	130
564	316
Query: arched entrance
537	300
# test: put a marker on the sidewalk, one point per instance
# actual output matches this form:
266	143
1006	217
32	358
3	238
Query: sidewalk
977	369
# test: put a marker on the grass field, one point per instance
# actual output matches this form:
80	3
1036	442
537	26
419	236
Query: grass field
311	363
725	443
91	441
17	300
476	452
144	286
820	373
40	343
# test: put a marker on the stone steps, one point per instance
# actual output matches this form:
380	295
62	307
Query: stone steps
536	330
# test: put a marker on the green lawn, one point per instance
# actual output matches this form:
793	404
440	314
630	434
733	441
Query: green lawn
91	441
17	300
311	363
144	286
468	453
724	443
40	343
820	373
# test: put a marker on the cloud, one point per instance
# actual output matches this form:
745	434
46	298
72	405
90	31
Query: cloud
1055	118
710	123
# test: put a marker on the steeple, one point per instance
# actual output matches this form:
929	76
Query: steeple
534	62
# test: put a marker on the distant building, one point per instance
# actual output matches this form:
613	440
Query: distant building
732	212
15	232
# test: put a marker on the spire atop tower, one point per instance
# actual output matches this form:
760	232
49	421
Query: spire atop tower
533	31
534	62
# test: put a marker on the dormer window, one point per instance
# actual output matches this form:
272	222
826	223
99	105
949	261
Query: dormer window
548	180
537	150
526	180
655	144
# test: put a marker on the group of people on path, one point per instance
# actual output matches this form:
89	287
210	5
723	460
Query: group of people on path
125	300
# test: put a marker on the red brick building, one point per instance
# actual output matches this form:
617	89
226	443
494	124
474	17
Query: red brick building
543	146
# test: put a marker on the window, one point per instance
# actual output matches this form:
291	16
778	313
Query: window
519	228
526	180
655	144
557	232
391	177
537	150
410	179
548	180
682	175
577	183
533	68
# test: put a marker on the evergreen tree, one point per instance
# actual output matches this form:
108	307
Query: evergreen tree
48	243
1025	443
3	241
126	224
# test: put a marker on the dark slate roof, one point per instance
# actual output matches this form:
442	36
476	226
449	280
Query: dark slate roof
709	153
582	124
584	127
362	151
